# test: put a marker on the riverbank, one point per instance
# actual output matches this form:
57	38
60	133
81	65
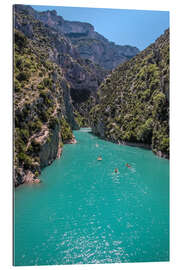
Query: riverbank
133	144
29	178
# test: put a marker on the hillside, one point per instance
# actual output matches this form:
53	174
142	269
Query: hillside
43	110
134	100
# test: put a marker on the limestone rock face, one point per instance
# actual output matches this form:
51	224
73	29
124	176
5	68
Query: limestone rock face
44	29
101	51
48	149
89	44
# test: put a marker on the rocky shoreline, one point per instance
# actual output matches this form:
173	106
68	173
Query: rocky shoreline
145	146
101	135
30	178
73	140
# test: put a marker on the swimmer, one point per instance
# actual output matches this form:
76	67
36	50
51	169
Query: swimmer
97	145
127	165
116	170
99	158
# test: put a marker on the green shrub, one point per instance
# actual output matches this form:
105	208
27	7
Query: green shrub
17	86
20	40
35	125
26	160
19	63
24	135
40	86
144	132
159	99
36	146
46	97
53	122
44	116
43	94
164	145
20	145
47	82
36	173
66	132
23	76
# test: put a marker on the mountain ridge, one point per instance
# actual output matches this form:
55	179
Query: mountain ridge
89	43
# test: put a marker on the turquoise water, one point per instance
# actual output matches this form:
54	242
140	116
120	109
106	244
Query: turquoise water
84	212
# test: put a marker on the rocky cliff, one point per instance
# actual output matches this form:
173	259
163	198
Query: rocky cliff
43	110
83	75
134	100
50	81
89	44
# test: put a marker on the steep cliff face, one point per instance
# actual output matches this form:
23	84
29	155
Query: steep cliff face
83	76
107	54
134	100
42	110
88	43
84	55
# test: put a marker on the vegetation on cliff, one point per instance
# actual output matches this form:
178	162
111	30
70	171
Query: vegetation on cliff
134	100
40	112
47	70
83	75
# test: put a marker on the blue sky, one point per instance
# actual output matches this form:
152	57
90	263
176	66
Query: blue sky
138	28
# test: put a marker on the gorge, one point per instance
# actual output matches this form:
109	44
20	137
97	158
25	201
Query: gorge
63	80
91	144
55	84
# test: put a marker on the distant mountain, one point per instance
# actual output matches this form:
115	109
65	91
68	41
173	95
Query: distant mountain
89	44
134	100
98	49
83	75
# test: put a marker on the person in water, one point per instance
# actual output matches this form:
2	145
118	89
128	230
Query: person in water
99	158
127	165
116	170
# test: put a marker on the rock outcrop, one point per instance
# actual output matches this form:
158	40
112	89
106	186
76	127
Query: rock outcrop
83	75
134	100
89	44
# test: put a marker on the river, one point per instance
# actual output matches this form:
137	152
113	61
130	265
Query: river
83	212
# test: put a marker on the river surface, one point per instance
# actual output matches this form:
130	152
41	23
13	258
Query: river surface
83	212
